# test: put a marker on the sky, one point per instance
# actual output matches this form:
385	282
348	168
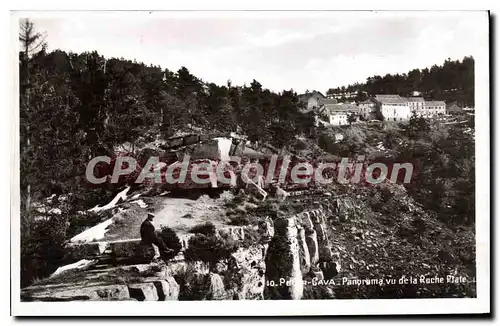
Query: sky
282	50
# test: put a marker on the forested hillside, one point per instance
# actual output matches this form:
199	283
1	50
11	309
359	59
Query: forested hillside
77	106
451	81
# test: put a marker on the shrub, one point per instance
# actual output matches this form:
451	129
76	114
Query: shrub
205	228
240	220
244	219
171	240
42	248
209	248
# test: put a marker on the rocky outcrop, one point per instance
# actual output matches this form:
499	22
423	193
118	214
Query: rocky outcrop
344	208
90	293
266	230
215	288
324	244
143	292
305	259
286	252
147	282
329	262
312	245
135	251
241	277
167	289
77	251
300	249
246	273
235	233
310	236
283	272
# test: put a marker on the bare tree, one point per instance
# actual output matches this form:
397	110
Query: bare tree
31	41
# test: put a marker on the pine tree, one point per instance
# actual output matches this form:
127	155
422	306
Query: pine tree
31	42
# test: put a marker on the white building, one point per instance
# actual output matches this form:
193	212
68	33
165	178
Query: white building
367	109
393	107
416	104
338	118
433	108
338	114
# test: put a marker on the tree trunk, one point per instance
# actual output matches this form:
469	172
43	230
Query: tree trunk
28	198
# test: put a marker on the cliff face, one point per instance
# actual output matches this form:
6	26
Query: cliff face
300	250
289	250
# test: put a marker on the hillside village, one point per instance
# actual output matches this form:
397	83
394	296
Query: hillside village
389	107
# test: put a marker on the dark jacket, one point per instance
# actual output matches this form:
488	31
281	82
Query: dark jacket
148	233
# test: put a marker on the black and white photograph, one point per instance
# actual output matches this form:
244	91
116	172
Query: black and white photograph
308	159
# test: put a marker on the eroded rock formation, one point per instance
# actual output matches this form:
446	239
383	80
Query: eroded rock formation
288	251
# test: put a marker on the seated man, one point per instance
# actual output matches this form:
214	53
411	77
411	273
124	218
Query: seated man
149	237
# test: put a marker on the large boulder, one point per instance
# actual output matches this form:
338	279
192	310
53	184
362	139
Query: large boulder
143	291
215	287
167	289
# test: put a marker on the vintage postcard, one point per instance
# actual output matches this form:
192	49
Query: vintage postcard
250	163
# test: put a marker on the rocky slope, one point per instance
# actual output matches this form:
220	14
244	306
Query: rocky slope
287	250
297	254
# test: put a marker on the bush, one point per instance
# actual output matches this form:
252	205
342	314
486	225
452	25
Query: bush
244	219
205	228
209	248
240	220
171	240
42	248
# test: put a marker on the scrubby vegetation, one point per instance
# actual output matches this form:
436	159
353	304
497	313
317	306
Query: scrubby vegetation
42	249
210	248
442	155
207	228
